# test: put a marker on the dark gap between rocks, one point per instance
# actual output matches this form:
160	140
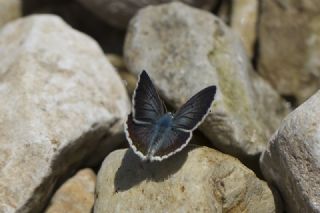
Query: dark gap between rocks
109	38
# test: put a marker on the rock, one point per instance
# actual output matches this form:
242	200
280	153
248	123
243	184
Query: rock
203	51
76	195
195	180
129	79
59	98
9	10
118	13
292	159
289	43
244	21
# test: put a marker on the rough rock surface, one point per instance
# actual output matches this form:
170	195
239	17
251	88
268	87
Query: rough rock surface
76	195
292	159
289	43
244	21
9	10
59	97
118	13
195	180
184	50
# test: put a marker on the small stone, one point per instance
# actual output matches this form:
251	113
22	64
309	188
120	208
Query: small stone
76	195
289	47
198	179
184	49
9	10
292	159
244	21
129	79
59	98
118	13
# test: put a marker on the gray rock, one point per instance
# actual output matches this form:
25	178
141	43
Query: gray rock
292	159
9	10
76	195
118	13
186	49
195	180
59	98
289	44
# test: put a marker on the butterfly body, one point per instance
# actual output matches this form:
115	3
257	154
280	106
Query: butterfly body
155	134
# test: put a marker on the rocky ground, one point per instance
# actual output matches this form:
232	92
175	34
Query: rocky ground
68	69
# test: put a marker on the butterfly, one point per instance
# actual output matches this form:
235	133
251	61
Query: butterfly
154	133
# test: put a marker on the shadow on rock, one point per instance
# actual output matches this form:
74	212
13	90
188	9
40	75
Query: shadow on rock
132	170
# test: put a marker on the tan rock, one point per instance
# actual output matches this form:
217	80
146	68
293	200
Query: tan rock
292	159
244	22
195	180
59	98
129	79
9	10
289	44
184	50
76	195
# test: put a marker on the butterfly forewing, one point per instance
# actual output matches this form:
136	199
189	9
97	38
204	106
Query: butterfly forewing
147	105
190	115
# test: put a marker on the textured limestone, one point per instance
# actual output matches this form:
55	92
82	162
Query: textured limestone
292	159
195	180
59	98
184	50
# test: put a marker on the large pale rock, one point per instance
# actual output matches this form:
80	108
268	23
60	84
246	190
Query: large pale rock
76	195
9	10
186	49
195	180
118	13
244	21
292	159
59	97
289	46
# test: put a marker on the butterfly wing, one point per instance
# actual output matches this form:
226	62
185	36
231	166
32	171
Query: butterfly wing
147	105
192	113
172	142
139	136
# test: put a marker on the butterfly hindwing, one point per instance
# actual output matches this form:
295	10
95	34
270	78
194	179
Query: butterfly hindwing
190	115
147	105
139	136
173	142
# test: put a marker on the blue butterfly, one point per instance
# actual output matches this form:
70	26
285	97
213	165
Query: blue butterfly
155	134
